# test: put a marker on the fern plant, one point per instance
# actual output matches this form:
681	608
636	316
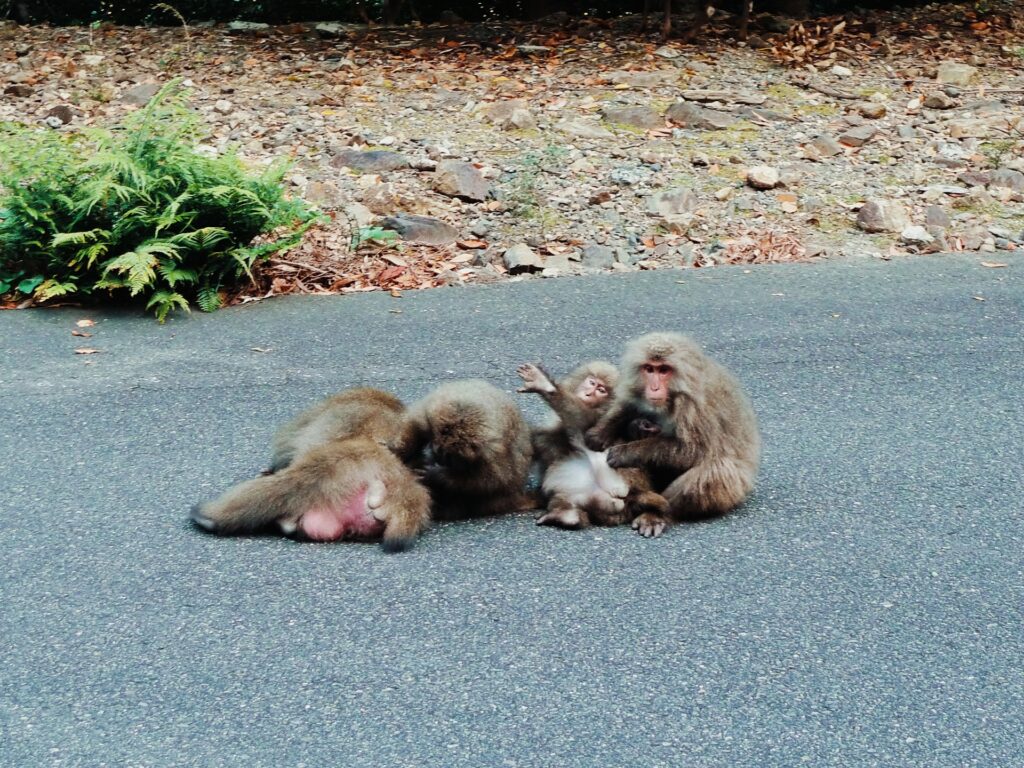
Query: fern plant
136	211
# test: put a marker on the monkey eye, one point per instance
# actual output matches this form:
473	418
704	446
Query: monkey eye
664	369
648	368
602	391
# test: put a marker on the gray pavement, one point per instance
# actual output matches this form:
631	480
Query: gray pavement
863	609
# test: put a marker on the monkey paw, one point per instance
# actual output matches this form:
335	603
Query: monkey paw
594	441
534	379
617	457
650	526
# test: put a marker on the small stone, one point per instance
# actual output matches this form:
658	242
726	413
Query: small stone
670	202
141	94
643	118
955	73
598	256
840	71
332	29
521	258
916	235
379	198
651	79
18	90
421	229
952	91
480	228
247	26
62	113
882	216
461	180
762	177
1004	177
510	115
938	100
872	110
856	137
371	161
223	107
906	132
967	129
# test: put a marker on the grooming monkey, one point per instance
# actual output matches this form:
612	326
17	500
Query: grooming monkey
332	478
580	488
471	446
707	464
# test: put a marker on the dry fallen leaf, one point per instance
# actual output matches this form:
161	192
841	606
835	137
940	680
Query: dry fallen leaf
86	351
978	298
994	264
261	349
83	334
85	323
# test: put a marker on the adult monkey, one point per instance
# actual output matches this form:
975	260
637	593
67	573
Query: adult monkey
708	465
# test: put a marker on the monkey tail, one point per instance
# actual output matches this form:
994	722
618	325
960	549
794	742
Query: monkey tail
406	517
709	489
252	505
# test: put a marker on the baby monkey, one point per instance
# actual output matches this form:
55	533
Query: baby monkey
579	486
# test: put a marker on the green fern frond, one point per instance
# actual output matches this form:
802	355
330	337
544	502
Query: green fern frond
164	301
174	274
209	299
49	289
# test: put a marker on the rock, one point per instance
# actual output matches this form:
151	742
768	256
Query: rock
964	129
533	50
644	118
701	118
627	175
480	228
856	137
598	256
247	26
1004	177
510	115
756	42
872	110
906	132
653	79
141	94
668	52
916	235
423	164
18	90
583	129
883	216
738	98
370	161
936	216
421	229
671	202
762	177
938	100
223	107
379	198
521	258
955	73
62	113
840	71
332	29
827	146
323	193
360	214
461	180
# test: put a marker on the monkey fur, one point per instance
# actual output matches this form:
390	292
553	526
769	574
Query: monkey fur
331	478
708	465
471	446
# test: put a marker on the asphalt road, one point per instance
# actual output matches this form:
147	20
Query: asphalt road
863	609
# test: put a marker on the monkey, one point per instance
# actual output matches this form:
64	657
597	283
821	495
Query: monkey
579	486
331	478
471	446
708	463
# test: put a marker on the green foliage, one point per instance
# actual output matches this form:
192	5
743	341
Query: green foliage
135	211
522	190
373	234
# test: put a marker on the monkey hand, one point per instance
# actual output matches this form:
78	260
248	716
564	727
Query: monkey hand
618	457
534	379
650	525
594	440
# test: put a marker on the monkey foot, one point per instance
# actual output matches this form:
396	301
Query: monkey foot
650	526
562	518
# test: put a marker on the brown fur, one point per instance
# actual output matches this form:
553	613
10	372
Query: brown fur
564	460
330	457
709	465
472	447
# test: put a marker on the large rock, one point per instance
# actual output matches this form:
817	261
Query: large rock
856	137
1004	177
644	118
371	161
695	116
461	180
955	73
510	115
421	229
938	100
598	256
672	202
826	146
883	216
521	258
763	177
583	129
141	94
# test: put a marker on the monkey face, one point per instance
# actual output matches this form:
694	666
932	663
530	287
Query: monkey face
656	375
458	459
592	391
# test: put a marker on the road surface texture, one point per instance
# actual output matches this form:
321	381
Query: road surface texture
863	609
